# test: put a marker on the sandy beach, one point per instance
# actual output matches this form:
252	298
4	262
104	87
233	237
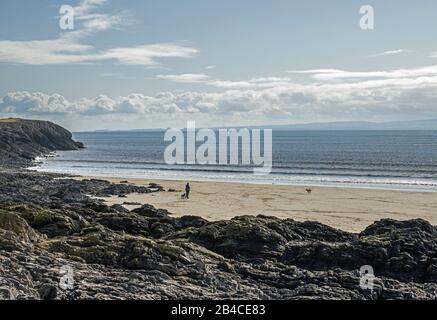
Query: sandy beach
348	209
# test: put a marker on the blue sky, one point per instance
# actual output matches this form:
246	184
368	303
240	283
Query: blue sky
140	64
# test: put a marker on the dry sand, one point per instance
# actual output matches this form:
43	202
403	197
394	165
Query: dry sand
344	208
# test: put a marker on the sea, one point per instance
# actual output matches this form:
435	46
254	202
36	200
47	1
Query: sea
396	160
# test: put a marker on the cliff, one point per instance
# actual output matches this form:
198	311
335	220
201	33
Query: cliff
21	140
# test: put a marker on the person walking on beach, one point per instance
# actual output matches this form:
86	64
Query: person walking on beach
187	191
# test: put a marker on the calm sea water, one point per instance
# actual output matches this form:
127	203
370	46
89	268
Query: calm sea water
377	159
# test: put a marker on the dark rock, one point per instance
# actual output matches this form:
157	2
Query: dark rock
146	254
48	292
156	187
119	208
148	210
11	221
158	255
254	236
126	203
23	140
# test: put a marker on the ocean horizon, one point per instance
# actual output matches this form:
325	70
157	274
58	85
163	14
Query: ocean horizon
388	159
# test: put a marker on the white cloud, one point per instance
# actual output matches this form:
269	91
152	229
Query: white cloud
147	54
85	6
69	48
201	78
377	99
335	74
65	51
325	94
378	95
37	103
94	22
390	52
185	78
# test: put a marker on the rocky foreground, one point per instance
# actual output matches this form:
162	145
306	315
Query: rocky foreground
48	223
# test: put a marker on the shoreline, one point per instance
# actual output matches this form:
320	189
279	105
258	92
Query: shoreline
310	184
355	186
348	209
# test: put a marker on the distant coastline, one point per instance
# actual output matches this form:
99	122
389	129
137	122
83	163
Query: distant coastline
413	125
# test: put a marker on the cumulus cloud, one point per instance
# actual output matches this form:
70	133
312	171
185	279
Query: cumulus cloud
26	103
282	99
69	48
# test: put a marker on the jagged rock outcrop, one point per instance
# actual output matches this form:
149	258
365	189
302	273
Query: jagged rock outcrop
148	254
23	140
402	250
41	188
195	260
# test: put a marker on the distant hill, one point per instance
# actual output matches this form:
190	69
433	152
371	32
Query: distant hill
344	125
360	125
